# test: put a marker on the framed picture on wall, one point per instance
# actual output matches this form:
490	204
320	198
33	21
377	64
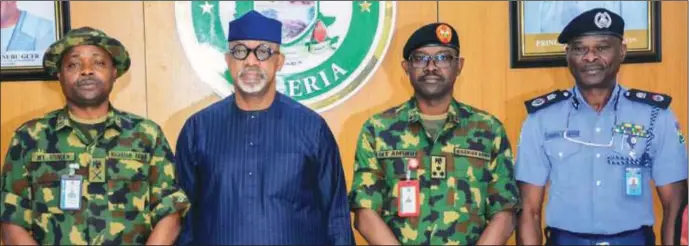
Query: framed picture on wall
28	28
535	25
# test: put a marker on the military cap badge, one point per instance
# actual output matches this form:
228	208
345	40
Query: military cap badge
444	33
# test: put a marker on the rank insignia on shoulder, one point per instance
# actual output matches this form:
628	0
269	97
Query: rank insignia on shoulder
546	100
651	98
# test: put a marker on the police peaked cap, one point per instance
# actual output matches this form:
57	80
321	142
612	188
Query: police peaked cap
598	21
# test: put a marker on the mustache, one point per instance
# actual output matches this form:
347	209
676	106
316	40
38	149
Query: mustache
88	80
592	67
431	74
256	70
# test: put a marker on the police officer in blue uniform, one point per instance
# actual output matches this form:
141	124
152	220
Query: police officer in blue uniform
599	145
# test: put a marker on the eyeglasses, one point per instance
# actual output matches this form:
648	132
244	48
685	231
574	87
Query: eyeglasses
262	52
440	61
608	145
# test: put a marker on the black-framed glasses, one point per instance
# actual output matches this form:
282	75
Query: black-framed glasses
262	52
440	60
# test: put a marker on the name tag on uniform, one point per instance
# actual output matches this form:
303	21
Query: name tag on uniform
408	202
70	192
633	179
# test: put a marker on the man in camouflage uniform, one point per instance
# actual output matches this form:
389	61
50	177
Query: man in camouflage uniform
459	156
121	162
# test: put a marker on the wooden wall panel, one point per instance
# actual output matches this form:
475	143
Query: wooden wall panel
162	85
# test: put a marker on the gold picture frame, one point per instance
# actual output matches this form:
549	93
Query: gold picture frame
535	25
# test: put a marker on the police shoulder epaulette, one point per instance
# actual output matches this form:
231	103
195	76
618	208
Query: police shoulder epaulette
651	98
545	100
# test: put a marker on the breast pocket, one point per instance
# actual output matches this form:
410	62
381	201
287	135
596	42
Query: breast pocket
628	148
46	199
564	160
469	178
46	185
128	187
394	169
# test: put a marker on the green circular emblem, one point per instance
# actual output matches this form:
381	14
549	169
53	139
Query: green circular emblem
331	47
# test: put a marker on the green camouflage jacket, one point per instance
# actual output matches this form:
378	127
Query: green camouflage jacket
128	180
465	175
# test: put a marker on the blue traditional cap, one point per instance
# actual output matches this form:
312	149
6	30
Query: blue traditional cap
255	26
598	21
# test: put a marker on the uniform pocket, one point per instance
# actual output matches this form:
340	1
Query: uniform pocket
46	196
562	155
128	188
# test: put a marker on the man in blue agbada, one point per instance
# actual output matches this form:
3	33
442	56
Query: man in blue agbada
258	166
599	145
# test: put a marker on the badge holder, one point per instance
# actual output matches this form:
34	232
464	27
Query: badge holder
408	202
633	181
70	189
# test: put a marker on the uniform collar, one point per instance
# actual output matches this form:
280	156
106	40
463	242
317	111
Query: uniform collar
410	111
578	99
115	118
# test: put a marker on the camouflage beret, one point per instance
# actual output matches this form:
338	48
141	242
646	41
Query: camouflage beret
86	36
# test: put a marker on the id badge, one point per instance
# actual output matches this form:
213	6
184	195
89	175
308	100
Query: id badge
633	181
408	202
70	192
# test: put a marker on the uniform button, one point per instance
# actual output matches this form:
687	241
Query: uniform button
598	155
251	143
597	129
559	154
252	116
598	183
250	173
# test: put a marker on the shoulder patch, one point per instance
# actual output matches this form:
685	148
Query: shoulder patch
545	100
651	98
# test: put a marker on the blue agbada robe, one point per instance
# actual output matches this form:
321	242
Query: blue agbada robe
262	177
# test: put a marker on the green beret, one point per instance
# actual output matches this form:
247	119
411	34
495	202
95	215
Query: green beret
86	36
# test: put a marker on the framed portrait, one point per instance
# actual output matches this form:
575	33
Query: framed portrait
28	29
535	25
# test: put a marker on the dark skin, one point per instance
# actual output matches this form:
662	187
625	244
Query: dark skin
433	90
433	85
261	99
87	75
594	61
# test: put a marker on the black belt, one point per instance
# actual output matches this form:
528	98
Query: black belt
647	230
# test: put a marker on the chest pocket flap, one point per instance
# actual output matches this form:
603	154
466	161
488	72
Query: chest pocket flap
127	165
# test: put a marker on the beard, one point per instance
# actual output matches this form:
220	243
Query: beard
252	80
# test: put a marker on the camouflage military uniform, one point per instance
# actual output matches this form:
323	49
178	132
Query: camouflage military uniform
457	198
128	180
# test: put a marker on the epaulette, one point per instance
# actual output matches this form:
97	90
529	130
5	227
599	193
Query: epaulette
651	98
545	100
